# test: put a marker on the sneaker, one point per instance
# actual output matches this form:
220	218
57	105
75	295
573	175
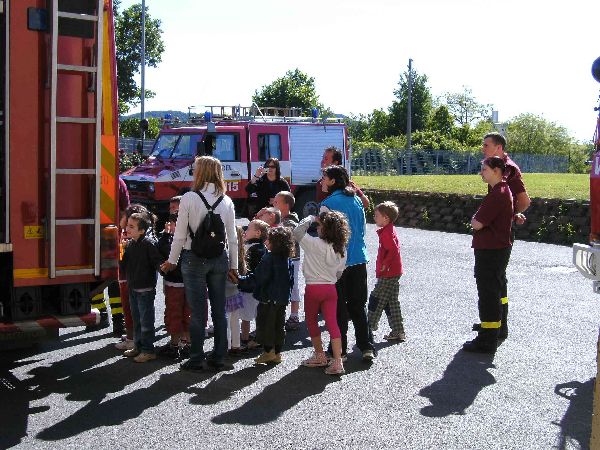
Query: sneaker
335	367
145	357
395	336
127	344
292	324
318	359
266	357
191	366
169	351
277	359
131	353
368	355
330	357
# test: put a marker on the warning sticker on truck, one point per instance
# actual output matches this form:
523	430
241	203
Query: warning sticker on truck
34	232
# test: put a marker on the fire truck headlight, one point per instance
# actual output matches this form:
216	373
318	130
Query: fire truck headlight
151	187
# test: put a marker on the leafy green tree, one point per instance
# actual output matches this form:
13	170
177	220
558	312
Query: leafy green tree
295	89
358	127
128	35
529	133
131	128
421	104
379	125
465	108
441	121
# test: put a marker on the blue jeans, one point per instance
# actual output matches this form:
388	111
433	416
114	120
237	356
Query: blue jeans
142	312
198	275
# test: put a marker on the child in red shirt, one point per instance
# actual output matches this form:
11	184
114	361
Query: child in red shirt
384	296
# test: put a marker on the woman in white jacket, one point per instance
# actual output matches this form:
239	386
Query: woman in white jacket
202	273
324	262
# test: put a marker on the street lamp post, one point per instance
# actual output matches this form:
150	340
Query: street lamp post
143	69
190	112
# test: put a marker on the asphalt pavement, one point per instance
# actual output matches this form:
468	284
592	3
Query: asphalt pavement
535	393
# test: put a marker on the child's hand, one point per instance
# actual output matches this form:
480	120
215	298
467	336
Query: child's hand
166	267
233	276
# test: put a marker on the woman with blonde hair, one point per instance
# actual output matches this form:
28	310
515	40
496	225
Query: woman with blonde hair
200	274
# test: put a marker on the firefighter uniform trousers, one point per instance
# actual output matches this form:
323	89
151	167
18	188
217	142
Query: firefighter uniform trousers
490	273
504	300
114	299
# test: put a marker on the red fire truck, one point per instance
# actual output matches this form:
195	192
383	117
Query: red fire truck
58	164
587	257
242	138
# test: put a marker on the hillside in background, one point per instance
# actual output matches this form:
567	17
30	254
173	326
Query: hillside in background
158	114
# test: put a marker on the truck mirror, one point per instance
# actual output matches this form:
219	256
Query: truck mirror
144	124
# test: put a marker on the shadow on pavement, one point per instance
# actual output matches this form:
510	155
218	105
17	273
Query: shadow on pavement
125	407
463	379
576	424
222	388
277	398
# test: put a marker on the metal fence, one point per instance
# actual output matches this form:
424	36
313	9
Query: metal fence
431	162
129	145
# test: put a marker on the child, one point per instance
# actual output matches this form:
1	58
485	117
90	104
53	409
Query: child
273	277
284	201
324	262
388	272
127	340
254	238
177	311
141	260
234	300
270	215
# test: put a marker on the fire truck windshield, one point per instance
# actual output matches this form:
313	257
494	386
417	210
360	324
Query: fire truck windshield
169	146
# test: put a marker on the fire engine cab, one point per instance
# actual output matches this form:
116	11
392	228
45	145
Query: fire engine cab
242	138
58	164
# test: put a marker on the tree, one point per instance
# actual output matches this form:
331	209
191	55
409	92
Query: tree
465	108
128	35
131	127
421	104
528	133
441	121
295	89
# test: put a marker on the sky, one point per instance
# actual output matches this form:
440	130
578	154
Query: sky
526	56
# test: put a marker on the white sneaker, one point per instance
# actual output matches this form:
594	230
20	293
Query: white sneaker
127	344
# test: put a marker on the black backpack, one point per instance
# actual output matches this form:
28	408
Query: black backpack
209	239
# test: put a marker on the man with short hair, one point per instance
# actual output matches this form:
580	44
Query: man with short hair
332	156
494	144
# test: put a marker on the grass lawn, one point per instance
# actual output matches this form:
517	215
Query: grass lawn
545	185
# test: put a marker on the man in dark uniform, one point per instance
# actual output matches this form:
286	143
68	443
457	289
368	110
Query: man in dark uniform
494	144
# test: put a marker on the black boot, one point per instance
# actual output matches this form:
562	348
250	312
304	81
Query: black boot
503	334
485	342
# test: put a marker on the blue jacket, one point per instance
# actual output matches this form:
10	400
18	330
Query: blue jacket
352	208
271	281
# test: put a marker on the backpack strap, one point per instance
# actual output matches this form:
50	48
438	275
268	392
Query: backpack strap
206	203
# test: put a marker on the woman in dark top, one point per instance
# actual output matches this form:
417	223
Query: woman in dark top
265	185
491	244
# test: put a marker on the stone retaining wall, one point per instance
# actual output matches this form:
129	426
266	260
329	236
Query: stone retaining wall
548	220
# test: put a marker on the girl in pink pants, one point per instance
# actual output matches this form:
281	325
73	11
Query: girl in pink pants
324	262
